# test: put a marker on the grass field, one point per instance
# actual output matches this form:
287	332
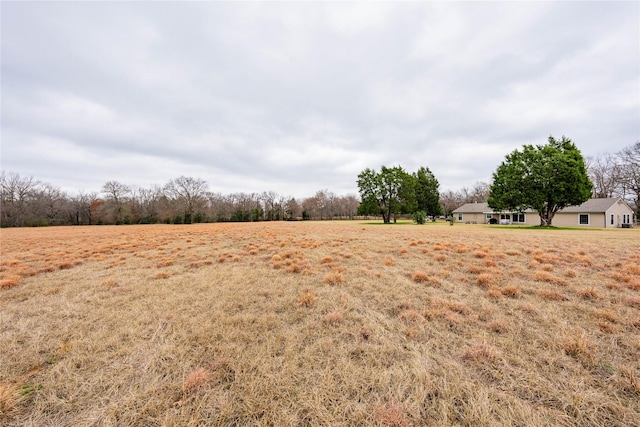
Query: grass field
319	323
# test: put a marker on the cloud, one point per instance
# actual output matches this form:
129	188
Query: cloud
297	97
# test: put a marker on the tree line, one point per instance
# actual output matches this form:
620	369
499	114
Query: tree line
25	201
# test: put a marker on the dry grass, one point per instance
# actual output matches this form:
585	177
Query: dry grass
420	277
243	324
196	379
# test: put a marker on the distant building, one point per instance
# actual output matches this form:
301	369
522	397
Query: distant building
602	213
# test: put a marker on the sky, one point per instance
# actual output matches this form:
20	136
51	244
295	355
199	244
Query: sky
296	97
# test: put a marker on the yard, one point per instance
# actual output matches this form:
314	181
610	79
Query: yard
319	323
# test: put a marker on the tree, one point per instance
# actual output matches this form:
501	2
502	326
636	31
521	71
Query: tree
16	194
605	173
189	192
545	178
116	193
80	208
387	193
292	209
427	193
630	173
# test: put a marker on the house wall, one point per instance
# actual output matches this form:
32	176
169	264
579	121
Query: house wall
530	218
572	219
479	218
561	219
618	210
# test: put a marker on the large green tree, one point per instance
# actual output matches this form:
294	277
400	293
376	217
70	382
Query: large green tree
427	192
388	192
546	178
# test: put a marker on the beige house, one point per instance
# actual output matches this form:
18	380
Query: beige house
603	213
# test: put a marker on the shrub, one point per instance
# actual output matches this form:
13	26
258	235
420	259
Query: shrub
420	217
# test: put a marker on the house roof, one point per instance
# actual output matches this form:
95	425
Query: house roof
593	206
482	207
590	206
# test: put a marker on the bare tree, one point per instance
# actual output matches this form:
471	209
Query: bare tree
451	200
292	209
80	211
49	205
189	192
16	193
268	199
630	174
116	194
605	172
350	203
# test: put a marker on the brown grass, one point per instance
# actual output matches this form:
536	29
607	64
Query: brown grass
196	379
511	291
587	293
391	414
485	280
420	277
240	324
307	298
334	279
480	351
334	318
545	276
550	294
578	345
9	281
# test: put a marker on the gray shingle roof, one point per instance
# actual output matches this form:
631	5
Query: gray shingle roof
592	206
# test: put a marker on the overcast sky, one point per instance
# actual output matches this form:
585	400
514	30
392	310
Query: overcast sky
298	97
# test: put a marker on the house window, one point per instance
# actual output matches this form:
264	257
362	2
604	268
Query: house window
611	219
489	216
459	217
519	217
626	219
584	219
